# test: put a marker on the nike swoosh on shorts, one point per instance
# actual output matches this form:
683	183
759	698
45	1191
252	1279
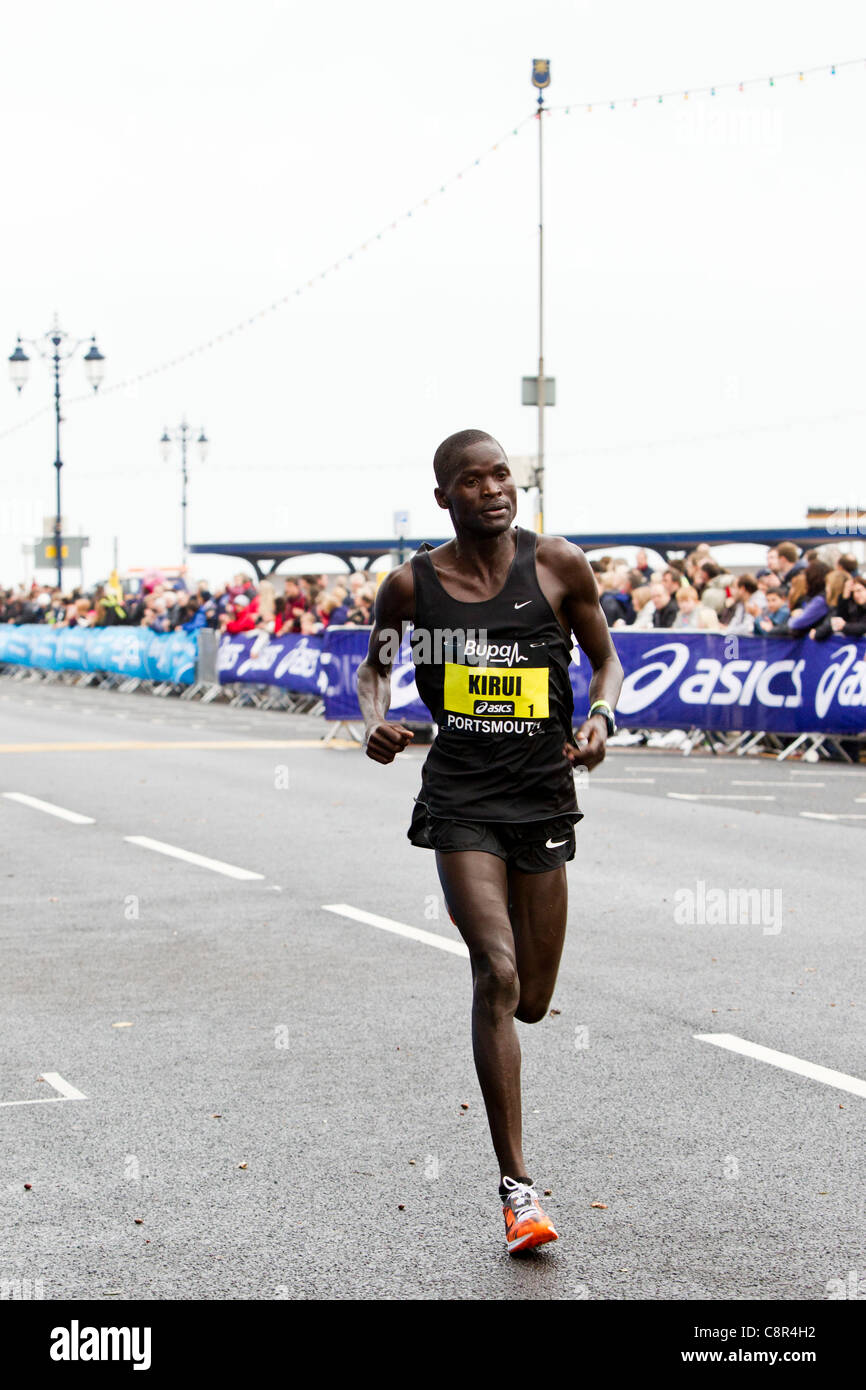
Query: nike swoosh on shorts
554	844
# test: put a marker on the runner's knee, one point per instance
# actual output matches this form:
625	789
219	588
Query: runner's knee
496	984
531	1010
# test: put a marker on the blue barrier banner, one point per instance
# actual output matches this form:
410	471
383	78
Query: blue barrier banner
707	680
345	649
672	679
291	662
128	651
15	644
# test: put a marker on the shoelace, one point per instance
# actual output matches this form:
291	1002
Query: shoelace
522	1196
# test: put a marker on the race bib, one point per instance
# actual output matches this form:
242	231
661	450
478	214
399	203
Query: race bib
487	691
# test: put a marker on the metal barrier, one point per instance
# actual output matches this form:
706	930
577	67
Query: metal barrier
260	675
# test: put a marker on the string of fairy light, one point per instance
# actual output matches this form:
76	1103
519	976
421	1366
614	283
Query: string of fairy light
711	90
300	289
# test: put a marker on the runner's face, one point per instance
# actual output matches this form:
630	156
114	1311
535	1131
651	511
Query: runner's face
481	495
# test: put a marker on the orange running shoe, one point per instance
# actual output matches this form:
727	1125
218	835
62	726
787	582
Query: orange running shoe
526	1224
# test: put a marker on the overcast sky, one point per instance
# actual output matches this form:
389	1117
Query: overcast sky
170	168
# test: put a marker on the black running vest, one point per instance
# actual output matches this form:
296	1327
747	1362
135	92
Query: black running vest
494	675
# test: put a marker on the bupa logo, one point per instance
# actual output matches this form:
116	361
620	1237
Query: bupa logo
492	653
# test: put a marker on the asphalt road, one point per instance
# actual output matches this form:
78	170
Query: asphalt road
281	1110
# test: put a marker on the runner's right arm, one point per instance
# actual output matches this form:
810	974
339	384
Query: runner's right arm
395	605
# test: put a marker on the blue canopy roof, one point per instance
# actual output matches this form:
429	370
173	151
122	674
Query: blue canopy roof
351	552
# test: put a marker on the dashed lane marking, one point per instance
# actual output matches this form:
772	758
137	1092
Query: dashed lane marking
839	1079
201	860
54	1079
767	782
718	796
370	919
627	781
135	745
660	767
49	808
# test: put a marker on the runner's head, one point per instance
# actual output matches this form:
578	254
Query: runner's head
474	483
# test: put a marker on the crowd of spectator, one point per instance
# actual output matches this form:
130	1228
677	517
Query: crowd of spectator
303	604
818	593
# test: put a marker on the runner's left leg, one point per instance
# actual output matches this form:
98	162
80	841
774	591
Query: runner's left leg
538	905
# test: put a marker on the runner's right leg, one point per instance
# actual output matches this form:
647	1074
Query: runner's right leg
476	891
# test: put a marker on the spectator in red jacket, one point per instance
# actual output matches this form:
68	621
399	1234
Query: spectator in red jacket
241	615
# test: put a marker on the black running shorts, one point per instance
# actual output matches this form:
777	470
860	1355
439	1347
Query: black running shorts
532	847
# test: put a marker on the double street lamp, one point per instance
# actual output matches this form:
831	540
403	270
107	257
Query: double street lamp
57	347
182	435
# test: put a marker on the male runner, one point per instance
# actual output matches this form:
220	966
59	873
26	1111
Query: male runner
497	801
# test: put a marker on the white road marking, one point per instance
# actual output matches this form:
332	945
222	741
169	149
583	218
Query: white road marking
630	781
833	815
217	865
658	767
68	1092
767	782
50	808
54	1079
718	796
839	1079
444	943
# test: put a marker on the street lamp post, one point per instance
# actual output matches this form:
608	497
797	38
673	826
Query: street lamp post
182	436
58	347
540	391
541	385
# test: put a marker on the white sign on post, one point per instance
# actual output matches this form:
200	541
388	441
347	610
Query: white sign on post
523	467
401	524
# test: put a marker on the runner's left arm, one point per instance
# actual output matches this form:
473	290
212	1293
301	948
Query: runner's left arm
589	625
